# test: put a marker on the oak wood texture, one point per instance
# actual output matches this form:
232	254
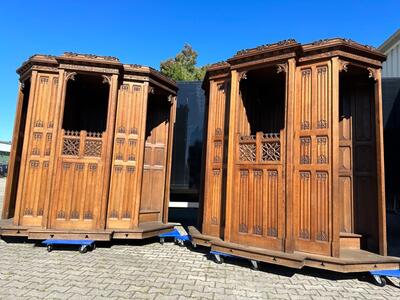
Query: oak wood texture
74	174
303	151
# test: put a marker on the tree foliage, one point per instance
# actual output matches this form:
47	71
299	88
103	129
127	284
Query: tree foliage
183	66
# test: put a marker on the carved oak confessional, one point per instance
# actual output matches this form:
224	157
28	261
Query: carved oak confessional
91	150
293	168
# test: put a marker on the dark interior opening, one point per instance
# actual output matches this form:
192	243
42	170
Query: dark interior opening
20	142
263	96
158	109
358	172
86	104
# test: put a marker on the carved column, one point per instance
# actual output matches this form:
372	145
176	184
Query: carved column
290	87
112	81
337	66
235	80
376	74
141	146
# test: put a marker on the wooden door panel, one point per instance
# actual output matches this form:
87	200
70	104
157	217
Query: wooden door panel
259	207
34	188
312	159
79	183
213	191
154	168
123	185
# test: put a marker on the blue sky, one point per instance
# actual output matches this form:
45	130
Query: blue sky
147	32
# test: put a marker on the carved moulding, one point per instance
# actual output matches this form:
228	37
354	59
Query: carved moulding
89	69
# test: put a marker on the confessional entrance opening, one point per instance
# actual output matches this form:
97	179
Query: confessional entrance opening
155	158
25	91
78	188
357	156
258	210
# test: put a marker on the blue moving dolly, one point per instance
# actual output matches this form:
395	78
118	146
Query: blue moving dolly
85	245
180	236
219	258
381	276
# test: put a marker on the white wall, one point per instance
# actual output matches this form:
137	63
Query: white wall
4	147
391	67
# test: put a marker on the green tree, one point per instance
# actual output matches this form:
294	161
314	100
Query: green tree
183	66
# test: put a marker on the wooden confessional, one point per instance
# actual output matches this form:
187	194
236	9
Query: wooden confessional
293	167
91	150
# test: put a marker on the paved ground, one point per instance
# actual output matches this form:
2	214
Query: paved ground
152	271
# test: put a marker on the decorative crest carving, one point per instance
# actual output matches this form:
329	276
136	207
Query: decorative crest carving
70	76
91	56
281	68
372	73
343	66
106	79
242	76
287	42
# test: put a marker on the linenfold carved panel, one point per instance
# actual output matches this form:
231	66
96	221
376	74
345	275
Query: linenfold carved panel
215	196
322	149
322	97
305	150
243	201
322	206
305	101
304	209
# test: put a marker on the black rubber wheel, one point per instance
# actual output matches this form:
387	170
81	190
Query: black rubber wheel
181	243
49	248
93	247
379	280
83	249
